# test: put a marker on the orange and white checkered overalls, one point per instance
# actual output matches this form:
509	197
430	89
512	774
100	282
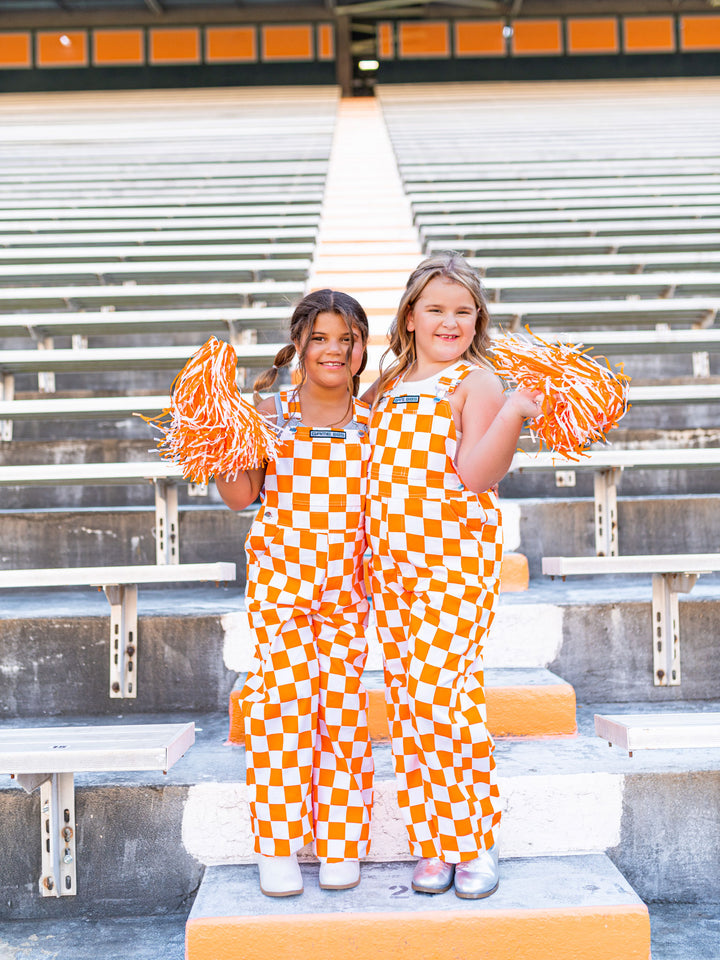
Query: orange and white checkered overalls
437	549
309	761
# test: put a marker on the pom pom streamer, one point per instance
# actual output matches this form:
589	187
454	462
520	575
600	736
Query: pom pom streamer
208	428
582	399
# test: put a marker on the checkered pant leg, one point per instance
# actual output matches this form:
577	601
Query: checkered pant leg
442	752
280	704
343	764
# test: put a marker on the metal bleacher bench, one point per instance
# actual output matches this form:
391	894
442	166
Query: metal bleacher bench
659	731
607	466
163	475
49	757
672	574
120	587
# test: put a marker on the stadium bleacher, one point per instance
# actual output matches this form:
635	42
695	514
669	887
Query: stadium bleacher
586	224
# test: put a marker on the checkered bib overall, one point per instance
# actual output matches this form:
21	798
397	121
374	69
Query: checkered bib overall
437	549
309	762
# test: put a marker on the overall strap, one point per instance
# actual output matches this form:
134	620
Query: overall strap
448	384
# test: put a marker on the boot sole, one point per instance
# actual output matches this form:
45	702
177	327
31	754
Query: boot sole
477	896
283	893
419	889
340	886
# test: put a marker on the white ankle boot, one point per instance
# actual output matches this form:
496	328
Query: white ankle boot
280	876
339	876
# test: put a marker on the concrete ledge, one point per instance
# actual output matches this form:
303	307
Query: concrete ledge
574	908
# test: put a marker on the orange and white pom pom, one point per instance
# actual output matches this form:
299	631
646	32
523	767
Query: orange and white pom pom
581	399
208	428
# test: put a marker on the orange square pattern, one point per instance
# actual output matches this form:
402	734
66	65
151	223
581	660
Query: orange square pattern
118	47
62	48
597	35
536	37
700	33
424	39
230	44
15	50
649	34
175	45
287	43
480	38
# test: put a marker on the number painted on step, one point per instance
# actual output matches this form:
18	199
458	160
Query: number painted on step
398	891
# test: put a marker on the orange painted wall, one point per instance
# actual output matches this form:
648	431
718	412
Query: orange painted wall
52	52
325	41
287	43
593	35
536	37
427	39
174	45
15	50
386	41
700	33
649	34
480	38
230	44
118	47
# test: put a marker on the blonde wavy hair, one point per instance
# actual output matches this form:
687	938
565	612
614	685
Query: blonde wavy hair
451	266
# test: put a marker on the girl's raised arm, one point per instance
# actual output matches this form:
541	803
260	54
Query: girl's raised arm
244	489
491	425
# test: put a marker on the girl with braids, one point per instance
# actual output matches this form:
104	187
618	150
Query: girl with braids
309	762
443	434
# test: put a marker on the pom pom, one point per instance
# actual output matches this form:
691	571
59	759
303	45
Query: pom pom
582	399
208	428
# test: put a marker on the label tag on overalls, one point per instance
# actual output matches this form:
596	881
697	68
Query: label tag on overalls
318	434
408	399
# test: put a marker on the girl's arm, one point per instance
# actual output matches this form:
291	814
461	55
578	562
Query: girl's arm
491	424
370	394
245	488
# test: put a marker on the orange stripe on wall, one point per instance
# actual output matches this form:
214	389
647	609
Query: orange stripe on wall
174	45
386	41
430	39
325	41
537	37
15	50
597	35
480	38
700	33
118	47
230	44
287	43
649	34
61	48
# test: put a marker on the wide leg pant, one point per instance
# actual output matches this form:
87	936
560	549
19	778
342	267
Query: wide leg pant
435	576
309	760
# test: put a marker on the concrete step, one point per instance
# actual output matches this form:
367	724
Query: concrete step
678	931
572	908
536	527
145	838
594	634
520	703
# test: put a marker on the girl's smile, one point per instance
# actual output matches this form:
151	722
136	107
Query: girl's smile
443	319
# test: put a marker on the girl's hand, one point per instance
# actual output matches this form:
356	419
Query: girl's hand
527	404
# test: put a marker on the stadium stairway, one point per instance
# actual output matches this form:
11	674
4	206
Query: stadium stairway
599	851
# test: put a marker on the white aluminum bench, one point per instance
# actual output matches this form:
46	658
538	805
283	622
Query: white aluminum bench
120	294
49	758
55	236
659	731
143	271
672	574
177	222
240	252
47	362
539	315
108	209
163	475
493	266
608	244
565	228
577	286
120	587
607	466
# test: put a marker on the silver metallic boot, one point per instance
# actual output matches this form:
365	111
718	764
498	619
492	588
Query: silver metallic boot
475	879
432	875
